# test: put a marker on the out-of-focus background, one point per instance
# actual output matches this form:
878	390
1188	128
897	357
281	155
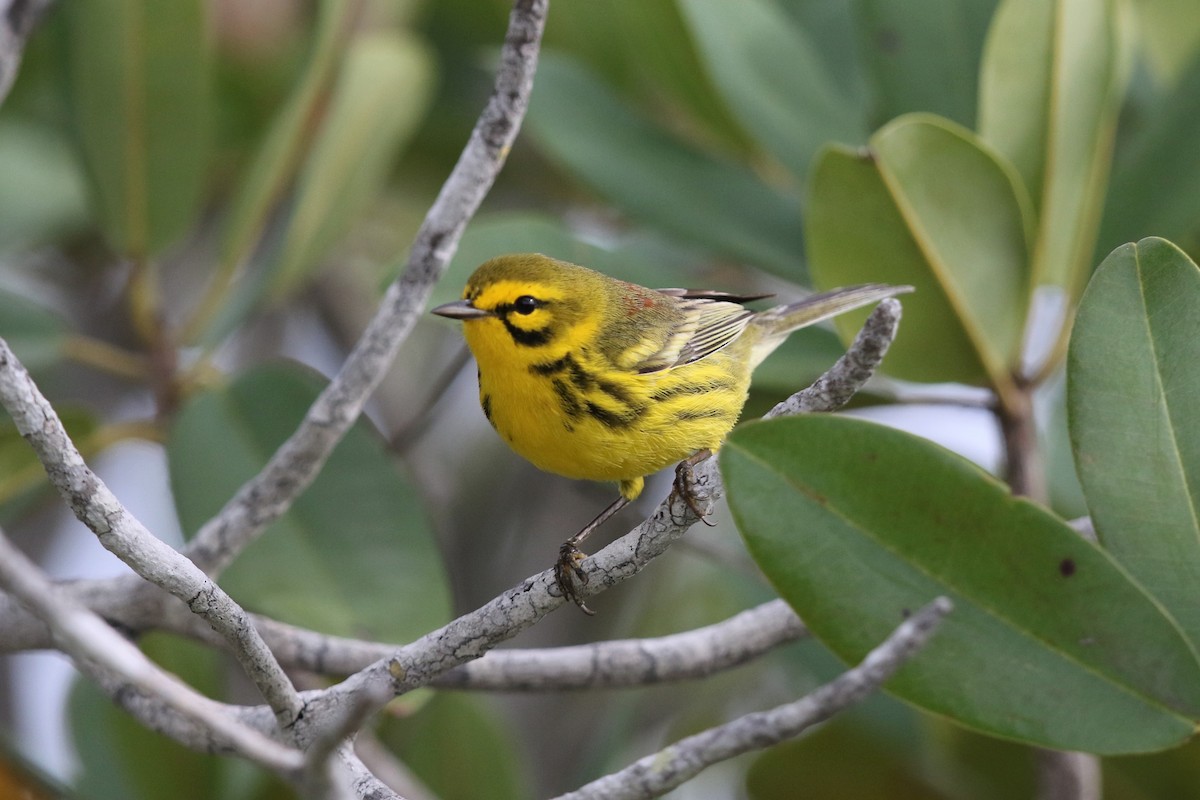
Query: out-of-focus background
166	267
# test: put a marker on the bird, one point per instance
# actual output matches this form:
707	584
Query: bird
595	378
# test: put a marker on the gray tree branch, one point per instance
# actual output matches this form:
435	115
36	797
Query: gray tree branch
126	674
661	772
123	535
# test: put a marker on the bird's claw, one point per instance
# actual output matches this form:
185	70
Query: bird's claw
570	576
685	480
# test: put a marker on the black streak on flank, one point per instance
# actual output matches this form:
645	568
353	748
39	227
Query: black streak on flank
611	418
486	403
712	413
691	388
567	399
1066	567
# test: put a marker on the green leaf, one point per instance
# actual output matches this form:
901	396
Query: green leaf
381	94
1156	176
772	78
829	762
451	730
1170	30
642	50
718	204
1051	86
923	55
43	194
928	206
1049	643
1134	403
139	79
357	535
270	172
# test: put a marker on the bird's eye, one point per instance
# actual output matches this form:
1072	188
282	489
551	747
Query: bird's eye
525	304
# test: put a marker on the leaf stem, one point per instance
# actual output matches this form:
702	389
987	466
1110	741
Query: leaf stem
105	357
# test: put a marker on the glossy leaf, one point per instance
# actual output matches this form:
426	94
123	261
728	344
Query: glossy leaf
1134	401
642	50
1049	643
357	535
772	78
381	94
1051	86
923	55
1156	175
268	175
139	79
928	206
581	124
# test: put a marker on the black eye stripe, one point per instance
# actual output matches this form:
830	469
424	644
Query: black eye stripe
534	338
525	304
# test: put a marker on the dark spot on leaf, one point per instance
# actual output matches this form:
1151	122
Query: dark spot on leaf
1066	567
905	613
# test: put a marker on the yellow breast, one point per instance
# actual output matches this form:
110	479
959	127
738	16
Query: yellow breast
568	411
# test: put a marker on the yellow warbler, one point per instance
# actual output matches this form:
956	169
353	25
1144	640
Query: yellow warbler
591	377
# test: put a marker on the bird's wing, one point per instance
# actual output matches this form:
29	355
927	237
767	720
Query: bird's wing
711	294
704	327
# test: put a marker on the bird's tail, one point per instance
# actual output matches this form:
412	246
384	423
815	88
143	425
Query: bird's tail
775	324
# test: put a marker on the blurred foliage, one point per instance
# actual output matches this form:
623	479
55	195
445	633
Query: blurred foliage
189	191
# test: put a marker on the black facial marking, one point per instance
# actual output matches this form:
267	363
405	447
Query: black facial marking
552	367
534	338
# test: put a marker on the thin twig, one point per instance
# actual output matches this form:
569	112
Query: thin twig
634	662
268	495
851	372
124	535
657	774
122	670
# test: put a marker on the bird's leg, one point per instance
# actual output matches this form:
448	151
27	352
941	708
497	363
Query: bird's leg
684	480
567	572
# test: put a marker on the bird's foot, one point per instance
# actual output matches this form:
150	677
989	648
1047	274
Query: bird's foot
685	481
569	575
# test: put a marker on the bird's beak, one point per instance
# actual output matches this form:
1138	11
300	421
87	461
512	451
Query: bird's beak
461	309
